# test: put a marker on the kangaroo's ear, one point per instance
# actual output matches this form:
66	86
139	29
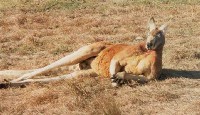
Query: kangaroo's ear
163	28
151	24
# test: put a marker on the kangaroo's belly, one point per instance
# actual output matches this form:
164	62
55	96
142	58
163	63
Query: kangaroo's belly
101	63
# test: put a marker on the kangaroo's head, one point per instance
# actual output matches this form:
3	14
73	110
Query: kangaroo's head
156	36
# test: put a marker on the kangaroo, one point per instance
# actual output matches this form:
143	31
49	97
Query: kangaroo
119	62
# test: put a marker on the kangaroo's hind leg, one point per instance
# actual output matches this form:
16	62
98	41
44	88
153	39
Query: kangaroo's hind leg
78	56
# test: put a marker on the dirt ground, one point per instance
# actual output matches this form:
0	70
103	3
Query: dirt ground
34	33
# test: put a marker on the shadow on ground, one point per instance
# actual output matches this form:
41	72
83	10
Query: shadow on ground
172	73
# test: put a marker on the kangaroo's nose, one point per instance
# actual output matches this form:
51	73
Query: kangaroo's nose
149	45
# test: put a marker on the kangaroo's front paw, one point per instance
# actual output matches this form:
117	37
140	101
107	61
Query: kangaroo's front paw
118	79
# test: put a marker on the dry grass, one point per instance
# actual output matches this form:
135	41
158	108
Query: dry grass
34	33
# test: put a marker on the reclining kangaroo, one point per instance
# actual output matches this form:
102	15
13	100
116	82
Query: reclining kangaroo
120	62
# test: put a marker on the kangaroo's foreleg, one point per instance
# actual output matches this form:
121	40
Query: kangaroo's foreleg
115	67
118	78
74	58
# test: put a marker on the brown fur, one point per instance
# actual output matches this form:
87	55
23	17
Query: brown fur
101	63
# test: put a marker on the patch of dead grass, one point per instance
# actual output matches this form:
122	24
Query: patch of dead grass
36	36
